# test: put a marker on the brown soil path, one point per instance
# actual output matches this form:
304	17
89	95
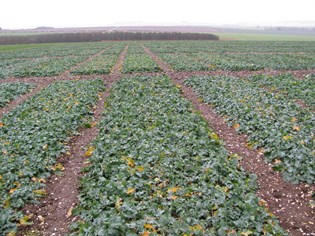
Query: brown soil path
53	215
288	202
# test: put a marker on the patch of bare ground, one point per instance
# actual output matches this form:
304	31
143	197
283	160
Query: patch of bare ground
288	202
53	215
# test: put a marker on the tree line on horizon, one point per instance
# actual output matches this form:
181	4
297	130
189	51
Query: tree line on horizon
102	36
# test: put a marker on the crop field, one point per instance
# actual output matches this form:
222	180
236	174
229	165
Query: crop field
158	138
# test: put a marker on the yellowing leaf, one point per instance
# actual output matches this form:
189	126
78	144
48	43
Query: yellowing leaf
211	66
262	203
41	218
89	152
140	168
230	231
178	86
173	197
296	128
131	190
45	146
1	124
246	233
196	227
69	213
58	166
11	233
145	233
294	119
188	194
287	137
173	190
93	124
25	220
236	126
12	190
149	226
40	191
130	161
214	136
118	203
6	204
0	177
225	189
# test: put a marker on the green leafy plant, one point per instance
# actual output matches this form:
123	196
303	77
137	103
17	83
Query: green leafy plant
32	137
156	168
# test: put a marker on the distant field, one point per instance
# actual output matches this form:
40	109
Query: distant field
224	33
4	48
265	37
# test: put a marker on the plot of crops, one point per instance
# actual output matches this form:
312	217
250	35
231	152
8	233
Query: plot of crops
11	91
238	62
158	169
272	121
33	136
158	138
138	61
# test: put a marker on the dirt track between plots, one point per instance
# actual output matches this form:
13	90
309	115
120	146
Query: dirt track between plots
288	202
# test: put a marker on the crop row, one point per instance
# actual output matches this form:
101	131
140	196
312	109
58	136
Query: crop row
56	50
102	64
116	48
139	63
135	48
33	135
272	121
235	62
37	67
286	84
230	46
157	169
11	91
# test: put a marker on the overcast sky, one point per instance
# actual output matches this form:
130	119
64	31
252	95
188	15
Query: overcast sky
16	14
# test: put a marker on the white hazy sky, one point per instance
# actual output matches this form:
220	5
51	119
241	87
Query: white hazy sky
73	13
